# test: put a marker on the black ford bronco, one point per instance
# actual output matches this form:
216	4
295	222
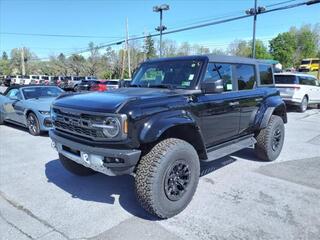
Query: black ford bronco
176	113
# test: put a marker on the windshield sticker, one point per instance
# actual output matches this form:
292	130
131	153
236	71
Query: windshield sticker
191	76
229	87
185	84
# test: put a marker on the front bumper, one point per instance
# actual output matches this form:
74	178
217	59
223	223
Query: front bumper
105	160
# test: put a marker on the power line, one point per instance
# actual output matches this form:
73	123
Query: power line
211	23
57	35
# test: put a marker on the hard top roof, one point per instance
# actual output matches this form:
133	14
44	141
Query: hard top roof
212	58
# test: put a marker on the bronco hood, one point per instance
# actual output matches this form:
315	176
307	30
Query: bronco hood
110	101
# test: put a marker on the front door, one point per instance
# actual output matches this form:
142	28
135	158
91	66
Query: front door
219	112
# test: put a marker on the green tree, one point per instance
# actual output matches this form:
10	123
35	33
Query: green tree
149	49
283	48
77	63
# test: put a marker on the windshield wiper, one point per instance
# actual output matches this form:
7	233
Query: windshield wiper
169	86
135	85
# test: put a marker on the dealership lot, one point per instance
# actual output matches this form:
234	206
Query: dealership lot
239	197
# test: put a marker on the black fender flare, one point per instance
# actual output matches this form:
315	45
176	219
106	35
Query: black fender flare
159	123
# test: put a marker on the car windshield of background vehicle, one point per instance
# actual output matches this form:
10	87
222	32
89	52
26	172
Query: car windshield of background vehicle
285	79
305	62
169	74
111	82
41	92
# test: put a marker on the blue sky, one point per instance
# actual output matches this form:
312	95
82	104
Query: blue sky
105	21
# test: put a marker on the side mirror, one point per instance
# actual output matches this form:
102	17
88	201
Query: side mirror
212	86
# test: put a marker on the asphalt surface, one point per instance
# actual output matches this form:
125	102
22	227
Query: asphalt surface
238	197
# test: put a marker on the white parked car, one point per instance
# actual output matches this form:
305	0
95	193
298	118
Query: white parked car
298	89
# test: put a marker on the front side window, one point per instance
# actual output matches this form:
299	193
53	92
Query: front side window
246	76
265	74
14	93
315	61
305	80
176	74
216	71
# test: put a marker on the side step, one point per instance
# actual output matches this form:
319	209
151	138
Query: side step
227	148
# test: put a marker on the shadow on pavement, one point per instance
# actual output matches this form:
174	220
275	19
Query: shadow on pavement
24	129
97	188
101	188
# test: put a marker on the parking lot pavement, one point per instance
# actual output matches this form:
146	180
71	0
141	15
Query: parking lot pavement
238	197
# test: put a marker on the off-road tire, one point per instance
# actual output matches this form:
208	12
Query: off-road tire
150	180
33	130
303	105
74	167
264	147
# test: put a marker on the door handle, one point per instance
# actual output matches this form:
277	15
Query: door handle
233	103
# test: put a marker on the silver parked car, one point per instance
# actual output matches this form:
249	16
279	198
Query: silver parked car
28	106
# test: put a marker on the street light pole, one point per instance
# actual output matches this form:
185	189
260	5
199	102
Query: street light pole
161	33
254	30
254	12
161	28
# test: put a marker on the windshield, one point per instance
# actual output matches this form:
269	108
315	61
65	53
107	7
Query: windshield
41	92
171	74
285	79
111	82
305	62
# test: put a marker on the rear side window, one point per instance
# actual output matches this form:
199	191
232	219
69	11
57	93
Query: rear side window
285	79
265	74
216	71
246	76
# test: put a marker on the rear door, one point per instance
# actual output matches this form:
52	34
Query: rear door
249	96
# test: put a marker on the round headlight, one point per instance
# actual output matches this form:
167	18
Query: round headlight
112	127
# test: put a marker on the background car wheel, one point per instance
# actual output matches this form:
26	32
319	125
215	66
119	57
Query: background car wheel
167	177
270	139
74	167
33	124
304	104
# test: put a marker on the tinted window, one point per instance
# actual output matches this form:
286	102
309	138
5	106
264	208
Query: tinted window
216	71
305	62
315	61
307	81
285	79
246	76
111	82
265	74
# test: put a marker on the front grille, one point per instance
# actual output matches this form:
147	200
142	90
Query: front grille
78	130
78	124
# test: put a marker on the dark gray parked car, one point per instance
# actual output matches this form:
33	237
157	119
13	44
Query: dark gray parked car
28	106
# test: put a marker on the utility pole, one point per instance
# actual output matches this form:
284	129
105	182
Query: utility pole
23	68
254	12
128	49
